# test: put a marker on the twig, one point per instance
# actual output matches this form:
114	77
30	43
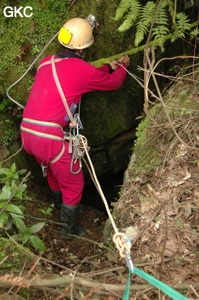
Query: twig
148	223
89	294
165	110
11	156
194	291
65	293
147	76
71	4
168	76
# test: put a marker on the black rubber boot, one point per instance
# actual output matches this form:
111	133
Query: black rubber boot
68	216
57	198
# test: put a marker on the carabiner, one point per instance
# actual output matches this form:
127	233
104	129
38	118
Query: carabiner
72	163
129	262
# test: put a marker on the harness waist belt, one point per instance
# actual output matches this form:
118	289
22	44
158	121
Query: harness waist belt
37	122
42	134
46	135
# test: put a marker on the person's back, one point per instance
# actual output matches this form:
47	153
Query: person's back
76	78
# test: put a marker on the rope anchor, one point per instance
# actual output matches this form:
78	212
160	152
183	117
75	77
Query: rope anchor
123	244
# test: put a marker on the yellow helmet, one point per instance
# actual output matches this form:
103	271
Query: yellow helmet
76	33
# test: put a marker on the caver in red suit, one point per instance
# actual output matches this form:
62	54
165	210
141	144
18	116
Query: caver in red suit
45	115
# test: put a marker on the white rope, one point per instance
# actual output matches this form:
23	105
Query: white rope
122	243
7	91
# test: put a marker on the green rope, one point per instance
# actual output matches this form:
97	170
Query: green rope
127	289
155	282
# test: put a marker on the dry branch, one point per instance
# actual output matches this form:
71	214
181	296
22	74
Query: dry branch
83	283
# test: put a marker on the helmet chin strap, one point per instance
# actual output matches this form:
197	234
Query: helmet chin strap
81	53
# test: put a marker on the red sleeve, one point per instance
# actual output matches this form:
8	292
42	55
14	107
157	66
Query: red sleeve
105	81
104	68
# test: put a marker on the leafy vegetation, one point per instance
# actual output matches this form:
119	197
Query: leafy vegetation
27	233
48	211
153	20
11	215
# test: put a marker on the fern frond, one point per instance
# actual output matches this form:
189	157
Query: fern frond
132	15
161	17
154	18
177	35
182	22
145	21
161	23
122	9
126	24
182	25
159	32
194	33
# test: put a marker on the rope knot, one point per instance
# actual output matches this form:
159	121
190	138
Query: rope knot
122	243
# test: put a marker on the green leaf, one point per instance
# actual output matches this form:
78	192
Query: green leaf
13	168
22	171
3	218
42	211
35	228
2	204
37	242
20	224
20	193
14	209
126	24
123	7
179	224
26	238
6	192
49	209
4	171
18	237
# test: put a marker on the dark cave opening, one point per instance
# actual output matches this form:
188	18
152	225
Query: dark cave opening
110	186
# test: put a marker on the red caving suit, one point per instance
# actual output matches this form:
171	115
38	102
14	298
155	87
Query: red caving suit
45	105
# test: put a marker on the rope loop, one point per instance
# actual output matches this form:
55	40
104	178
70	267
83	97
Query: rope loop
122	243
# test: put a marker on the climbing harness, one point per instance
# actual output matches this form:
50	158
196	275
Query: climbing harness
75	146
